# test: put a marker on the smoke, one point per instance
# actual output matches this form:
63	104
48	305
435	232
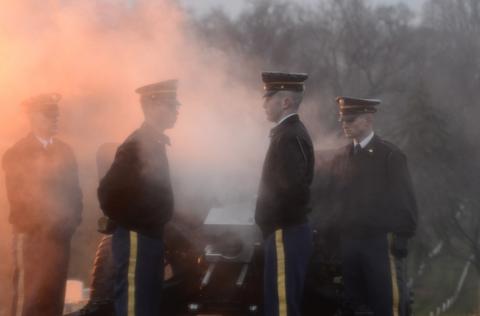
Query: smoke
95	53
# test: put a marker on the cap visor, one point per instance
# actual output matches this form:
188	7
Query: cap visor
269	93
347	117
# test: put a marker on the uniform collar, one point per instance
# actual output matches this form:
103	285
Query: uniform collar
365	141
44	142
283	123
283	119
161	138
369	148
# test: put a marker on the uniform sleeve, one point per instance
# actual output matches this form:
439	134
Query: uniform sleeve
134	197
403	199
294	175
17	194
120	186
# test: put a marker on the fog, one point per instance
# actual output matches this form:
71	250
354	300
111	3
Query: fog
96	54
423	65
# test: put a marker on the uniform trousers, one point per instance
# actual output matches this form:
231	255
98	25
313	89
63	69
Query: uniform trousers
139	264
40	273
287	254
373	277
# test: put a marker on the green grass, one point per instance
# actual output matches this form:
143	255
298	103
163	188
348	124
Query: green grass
439	283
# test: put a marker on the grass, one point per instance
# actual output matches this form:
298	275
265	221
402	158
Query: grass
439	283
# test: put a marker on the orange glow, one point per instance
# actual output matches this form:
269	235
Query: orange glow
95	53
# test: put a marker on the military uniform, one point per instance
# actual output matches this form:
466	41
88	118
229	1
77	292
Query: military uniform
45	209
372	196
136	193
283	204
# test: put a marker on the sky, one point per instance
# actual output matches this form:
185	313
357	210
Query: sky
235	6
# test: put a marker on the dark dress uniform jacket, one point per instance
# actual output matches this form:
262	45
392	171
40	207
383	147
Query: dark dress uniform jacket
284	194
371	192
136	192
42	186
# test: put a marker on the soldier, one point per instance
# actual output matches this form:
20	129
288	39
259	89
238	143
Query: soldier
136	194
372	196
284	194
45	209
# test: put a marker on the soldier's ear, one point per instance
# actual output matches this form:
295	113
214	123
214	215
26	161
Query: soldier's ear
287	102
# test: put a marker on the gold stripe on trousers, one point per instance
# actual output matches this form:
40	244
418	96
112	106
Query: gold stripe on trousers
281	282
132	265
393	274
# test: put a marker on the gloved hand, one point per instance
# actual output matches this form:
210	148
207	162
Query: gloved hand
399	246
